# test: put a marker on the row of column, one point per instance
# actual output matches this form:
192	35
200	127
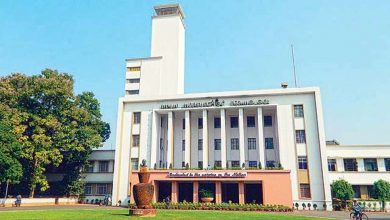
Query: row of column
195	198
205	132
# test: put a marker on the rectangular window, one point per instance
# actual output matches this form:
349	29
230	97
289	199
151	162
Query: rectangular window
200	144
305	190
251	143
136	117
356	190
132	80
302	162
88	189
136	140
235	163
132	92
270	163
218	163
234	144
101	189
269	143
183	145
233	122
183	164
134	163
161	144
300	136
298	111
184	123
332	165
370	164
134	69
200	164
217	122
161	122
370	191
217	144
267	121
200	123
89	167
253	164
387	164
103	166
251	121
350	165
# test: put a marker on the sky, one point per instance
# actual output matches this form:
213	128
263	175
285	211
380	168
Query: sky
343	47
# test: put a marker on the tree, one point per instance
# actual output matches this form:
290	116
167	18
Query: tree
52	124
381	191
342	190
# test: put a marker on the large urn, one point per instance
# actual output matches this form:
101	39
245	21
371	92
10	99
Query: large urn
143	191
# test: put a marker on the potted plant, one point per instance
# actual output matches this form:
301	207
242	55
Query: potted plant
206	196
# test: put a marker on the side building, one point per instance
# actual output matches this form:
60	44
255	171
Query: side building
215	141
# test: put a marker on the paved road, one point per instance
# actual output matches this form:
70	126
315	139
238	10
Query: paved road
341	215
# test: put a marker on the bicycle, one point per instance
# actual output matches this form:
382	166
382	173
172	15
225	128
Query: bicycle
360	216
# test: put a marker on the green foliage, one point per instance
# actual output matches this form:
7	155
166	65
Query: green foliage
204	193
259	166
342	190
381	191
52	125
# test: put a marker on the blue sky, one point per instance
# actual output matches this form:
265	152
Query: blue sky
341	46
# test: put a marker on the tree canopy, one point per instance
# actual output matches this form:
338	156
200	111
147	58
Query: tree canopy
381	190
342	190
52	125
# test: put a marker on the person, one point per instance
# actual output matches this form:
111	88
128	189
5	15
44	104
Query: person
356	208
18	200
168	202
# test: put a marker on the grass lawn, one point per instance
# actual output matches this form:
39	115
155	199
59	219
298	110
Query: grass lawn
93	214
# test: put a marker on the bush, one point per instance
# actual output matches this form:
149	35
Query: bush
315	206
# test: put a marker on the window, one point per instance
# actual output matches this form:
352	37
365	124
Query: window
132	80
134	163
132	92
302	162
370	191
298	111
253	164
200	164
183	164
136	140
300	136
235	163
134	68
387	164
234	143
103	166
161	122
356	190
270	163
184	123
332	165
200	144
233	122
218	163
217	144
269	143
137	117
370	164
89	168
251	143
183	145
267	121
305	190
250	121
101	189
200	123
161	144
350	165
217	122
88	189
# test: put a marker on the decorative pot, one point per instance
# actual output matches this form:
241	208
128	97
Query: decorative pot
207	199
143	175
143	195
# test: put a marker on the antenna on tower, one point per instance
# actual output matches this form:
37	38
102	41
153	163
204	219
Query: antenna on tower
293	62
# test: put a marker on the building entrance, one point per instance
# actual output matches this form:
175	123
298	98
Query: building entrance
253	193
230	192
164	190
186	192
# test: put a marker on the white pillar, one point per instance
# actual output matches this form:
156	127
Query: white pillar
260	140
381	165
242	136
205	136
155	141
170	140
360	164
223	138
187	152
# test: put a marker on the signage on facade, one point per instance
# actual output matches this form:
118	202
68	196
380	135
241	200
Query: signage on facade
216	103
207	174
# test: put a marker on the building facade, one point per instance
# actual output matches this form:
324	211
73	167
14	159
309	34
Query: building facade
263	146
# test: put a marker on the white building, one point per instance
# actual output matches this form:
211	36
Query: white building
223	130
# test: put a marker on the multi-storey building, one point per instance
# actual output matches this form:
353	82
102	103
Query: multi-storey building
215	141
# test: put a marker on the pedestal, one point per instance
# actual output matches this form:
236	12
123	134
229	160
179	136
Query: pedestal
143	212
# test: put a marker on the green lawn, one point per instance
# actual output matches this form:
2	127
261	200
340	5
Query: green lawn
94	214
